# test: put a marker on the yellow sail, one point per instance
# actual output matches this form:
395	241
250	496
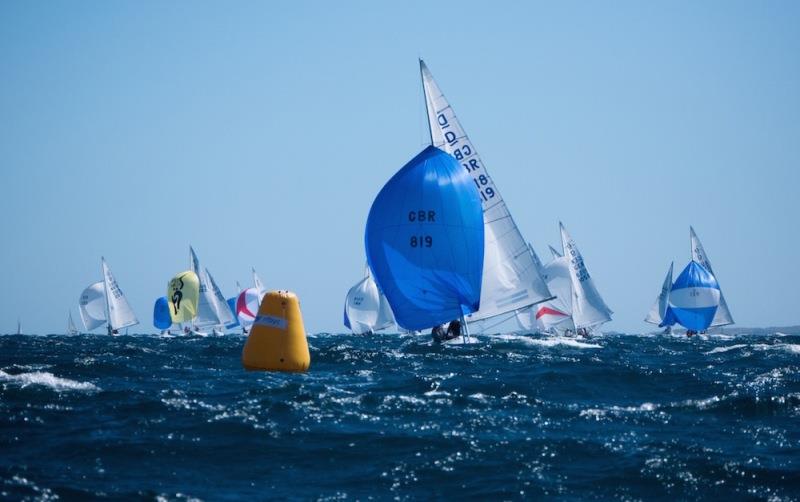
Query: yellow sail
183	293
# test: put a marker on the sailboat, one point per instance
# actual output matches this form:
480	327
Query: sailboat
424	242
248	301
19	327
553	316
71	329
366	309
510	278
104	303
221	307
695	300
161	317
578	306
183	294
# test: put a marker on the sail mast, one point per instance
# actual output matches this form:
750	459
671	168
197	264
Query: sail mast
425	98
105	289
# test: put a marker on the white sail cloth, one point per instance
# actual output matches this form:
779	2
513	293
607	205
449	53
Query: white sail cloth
206	311
555	312
120	313
588	307
92	306
221	308
366	308
659	309
510	278
723	316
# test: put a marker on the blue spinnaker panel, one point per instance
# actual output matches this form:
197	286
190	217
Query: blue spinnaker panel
232	306
161	318
694	297
424	241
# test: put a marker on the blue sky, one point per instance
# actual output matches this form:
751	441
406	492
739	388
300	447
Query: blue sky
261	132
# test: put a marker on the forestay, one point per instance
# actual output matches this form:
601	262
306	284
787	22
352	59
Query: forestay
424	241
723	316
588	307
92	306
120	313
510	279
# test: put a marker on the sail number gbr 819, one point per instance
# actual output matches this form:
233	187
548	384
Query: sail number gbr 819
421	216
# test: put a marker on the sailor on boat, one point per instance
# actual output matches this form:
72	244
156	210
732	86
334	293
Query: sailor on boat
441	335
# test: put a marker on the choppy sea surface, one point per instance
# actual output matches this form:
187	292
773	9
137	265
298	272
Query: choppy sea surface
392	416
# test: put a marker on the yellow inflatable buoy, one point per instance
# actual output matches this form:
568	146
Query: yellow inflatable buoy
277	340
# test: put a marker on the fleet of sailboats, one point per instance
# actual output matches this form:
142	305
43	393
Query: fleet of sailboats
442	247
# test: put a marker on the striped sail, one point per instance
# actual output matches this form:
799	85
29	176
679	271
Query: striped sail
694	297
510	278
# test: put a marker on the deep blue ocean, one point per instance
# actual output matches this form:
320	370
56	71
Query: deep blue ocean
391	416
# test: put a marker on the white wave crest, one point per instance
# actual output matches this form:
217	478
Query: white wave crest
554	342
719	350
48	380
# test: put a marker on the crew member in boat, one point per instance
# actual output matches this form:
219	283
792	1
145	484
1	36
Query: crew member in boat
583	332
440	334
690	333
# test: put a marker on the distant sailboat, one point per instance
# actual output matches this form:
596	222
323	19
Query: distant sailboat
248	301
19	327
553	315
659	310
71	329
695	299
424	242
183	293
104	303
510	278
366	309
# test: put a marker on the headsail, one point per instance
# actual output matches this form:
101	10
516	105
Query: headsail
365	308
510	279
694	297
588	307
658	312
161	318
120	313
424	241
183	293
92	306
723	316
555	312
247	307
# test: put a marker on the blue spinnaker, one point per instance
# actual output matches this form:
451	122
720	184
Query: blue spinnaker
424	241
232	306
694	298
161	318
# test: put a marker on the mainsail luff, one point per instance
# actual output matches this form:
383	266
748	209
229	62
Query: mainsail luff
510	278
723	316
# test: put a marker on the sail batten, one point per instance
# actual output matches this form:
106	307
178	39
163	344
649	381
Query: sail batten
507	271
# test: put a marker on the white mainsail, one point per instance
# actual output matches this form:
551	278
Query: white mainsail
206	313
258	285
222	310
510	279
659	309
723	316
366	308
588	307
120	313
92	306
71	329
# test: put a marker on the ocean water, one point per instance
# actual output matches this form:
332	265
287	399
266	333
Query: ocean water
389	416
